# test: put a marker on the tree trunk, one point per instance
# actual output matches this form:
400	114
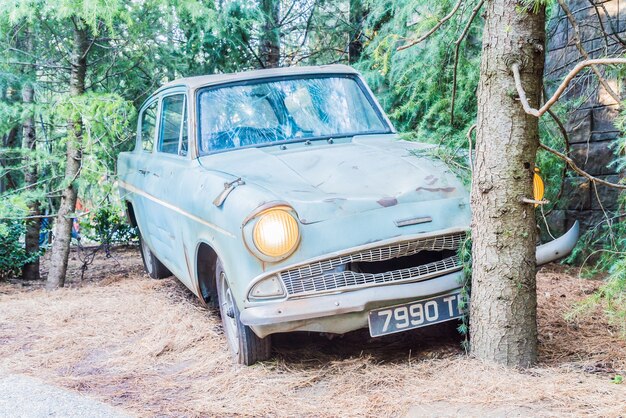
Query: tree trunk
63	224
357	16
7	182
503	312
270	38
30	271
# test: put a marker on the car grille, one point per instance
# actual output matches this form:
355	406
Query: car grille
327	275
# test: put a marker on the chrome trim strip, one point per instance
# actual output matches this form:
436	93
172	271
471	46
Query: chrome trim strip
133	189
412	221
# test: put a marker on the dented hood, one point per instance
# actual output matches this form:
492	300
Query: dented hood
324	180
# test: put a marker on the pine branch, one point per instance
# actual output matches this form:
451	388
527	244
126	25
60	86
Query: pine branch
457	45
434	28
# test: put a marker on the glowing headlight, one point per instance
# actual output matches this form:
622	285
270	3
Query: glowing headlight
276	233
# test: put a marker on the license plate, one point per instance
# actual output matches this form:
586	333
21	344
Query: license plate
414	314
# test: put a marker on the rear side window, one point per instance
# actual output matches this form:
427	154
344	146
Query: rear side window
148	127
173	132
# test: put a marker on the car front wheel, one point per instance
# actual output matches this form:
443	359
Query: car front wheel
243	343
153	266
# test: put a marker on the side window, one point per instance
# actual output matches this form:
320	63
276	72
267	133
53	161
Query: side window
148	127
171	128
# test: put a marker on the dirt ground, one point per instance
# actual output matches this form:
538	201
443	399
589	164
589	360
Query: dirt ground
150	348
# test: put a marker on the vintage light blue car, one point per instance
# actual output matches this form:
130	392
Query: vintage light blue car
285	198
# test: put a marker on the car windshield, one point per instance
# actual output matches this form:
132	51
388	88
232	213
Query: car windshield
286	110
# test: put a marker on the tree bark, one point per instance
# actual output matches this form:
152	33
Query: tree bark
30	271
63	224
357	16
503	312
9	140
270	38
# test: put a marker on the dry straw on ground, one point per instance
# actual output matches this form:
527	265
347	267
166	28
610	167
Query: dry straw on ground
150	348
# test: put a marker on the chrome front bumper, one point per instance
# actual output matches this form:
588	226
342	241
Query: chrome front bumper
340	312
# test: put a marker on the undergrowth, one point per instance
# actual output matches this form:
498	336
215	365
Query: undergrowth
611	296
603	250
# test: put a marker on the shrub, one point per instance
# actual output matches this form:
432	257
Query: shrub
108	226
12	253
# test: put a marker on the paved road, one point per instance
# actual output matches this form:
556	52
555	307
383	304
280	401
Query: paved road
23	396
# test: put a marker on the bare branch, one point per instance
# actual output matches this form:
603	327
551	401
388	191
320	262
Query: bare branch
39	65
457	45
469	145
609	19
579	170
559	91
533	201
565	135
434	28
583	52
19	218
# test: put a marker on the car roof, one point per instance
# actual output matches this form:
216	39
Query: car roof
205	80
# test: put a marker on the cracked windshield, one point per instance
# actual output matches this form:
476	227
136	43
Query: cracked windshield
285	111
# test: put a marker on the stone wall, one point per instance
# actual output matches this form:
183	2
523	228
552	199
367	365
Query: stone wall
590	123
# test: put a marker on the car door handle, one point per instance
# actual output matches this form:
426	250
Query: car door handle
143	172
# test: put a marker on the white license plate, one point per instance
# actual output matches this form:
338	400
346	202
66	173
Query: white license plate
414	314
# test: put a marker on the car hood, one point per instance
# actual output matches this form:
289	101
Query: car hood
324	180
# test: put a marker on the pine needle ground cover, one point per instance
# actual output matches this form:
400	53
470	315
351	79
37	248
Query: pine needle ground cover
149	348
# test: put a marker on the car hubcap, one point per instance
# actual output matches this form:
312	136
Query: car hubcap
147	256
227	307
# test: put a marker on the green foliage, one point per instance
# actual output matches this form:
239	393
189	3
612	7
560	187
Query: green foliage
107	226
415	85
611	295
465	255
610	257
12	253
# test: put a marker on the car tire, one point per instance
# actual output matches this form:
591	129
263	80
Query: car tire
154	267
245	347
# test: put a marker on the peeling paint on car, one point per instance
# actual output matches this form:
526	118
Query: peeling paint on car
387	202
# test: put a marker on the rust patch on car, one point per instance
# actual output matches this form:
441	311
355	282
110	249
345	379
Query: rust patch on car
387	201
436	189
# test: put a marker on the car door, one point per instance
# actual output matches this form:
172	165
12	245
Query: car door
167	181
137	172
